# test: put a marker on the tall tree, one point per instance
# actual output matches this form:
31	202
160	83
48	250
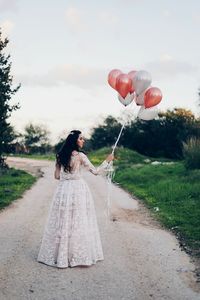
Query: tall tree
6	92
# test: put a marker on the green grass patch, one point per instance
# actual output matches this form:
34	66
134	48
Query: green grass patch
123	156
171	188
50	156
13	183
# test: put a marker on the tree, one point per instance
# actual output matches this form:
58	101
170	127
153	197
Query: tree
6	93
163	136
105	135
36	138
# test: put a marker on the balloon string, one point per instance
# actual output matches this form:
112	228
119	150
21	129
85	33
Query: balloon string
110	175
120	133
115	145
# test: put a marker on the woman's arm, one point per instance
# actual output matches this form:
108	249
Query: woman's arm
57	171
96	171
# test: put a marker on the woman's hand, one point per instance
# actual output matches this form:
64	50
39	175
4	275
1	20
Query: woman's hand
109	157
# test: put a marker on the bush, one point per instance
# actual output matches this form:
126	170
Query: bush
3	164
191	153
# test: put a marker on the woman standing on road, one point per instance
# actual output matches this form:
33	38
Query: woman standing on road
71	236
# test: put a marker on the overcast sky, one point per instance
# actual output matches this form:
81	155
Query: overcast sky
62	51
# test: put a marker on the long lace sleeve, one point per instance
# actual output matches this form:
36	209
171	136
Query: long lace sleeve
90	167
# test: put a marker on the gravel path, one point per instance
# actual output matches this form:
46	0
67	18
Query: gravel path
141	259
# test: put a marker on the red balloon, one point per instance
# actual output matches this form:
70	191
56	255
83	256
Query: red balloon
112	76
131	74
152	97
123	85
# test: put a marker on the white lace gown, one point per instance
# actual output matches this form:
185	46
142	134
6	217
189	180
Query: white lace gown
71	236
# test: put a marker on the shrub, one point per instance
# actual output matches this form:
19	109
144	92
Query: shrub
191	153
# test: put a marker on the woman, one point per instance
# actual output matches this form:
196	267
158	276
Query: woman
71	236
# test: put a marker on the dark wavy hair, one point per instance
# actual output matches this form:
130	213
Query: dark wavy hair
64	154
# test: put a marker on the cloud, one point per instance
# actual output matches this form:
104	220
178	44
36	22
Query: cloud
6	28
8	5
167	67
87	77
79	76
74	18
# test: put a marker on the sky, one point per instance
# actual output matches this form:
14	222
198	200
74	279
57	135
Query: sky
62	51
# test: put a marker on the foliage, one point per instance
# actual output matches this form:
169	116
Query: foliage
122	155
13	183
6	93
191	152
36	138
162	137
104	135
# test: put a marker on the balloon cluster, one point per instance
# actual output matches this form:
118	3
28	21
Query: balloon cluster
136	86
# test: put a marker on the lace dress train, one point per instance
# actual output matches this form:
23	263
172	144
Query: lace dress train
71	236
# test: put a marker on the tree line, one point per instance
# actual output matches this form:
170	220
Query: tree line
161	137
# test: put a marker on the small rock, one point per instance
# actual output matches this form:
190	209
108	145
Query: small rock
147	160
156	208
154	163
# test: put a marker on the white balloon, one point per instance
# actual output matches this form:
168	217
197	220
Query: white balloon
127	100
148	114
141	81
139	100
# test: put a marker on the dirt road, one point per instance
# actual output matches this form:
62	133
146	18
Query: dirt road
141	260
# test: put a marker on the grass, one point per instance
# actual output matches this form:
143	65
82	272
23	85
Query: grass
50	156
191	152
13	183
169	190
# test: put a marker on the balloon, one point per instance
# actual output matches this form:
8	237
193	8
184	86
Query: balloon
123	85
152	97
127	100
141	81
148	114
139	100
131	74
112	76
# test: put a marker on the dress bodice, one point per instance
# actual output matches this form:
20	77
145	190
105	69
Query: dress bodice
80	162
